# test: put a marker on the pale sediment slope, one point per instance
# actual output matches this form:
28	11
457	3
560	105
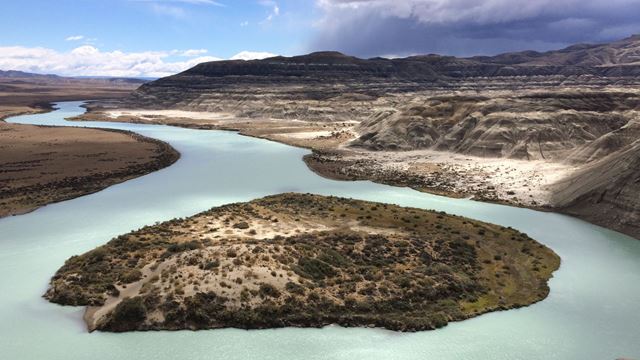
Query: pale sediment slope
592	132
507	147
534	125
519	182
606	192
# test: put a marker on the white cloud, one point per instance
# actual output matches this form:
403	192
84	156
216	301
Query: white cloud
88	61
252	55
75	38
244	23
190	52
274	12
169	10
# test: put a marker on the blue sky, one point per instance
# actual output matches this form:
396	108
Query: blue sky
224	28
161	37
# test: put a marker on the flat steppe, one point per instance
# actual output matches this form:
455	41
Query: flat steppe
43	165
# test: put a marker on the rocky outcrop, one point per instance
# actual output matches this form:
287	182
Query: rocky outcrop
597	131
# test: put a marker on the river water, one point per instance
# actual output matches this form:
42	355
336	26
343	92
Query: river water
593	311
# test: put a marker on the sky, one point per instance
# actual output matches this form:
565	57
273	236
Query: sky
154	38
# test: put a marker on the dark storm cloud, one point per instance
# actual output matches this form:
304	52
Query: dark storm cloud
467	27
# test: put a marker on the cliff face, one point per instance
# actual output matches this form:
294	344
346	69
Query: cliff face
594	130
300	87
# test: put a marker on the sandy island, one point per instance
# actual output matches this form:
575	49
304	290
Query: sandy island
305	261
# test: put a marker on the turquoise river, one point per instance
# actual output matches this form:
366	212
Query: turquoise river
593	311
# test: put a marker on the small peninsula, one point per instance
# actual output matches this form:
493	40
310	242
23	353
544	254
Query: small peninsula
41	165
306	261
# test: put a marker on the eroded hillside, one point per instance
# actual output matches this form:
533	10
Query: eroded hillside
430	122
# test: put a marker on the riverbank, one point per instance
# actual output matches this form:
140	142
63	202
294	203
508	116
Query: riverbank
43	165
305	261
532	183
312	135
505	181
497	180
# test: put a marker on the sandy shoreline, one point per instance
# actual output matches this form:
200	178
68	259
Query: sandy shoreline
41	165
510	181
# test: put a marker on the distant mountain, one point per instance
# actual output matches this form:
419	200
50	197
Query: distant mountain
15	74
624	52
314	66
620	58
139	79
232	85
22	74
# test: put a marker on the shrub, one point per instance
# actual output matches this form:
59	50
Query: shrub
268	290
313	268
131	276
211	265
98	254
294	288
334	258
177	248
241	225
130	311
